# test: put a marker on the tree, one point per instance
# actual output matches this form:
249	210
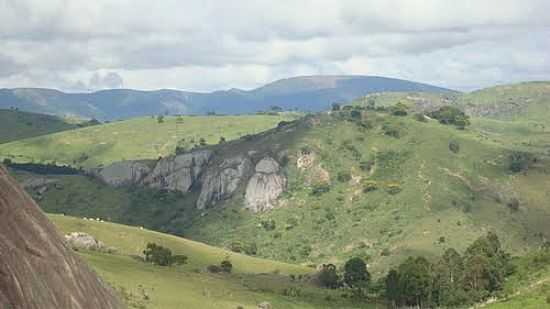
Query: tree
448	279
158	255
392	287
399	109
160	118
450	115
226	266
335	107
356	275
328	277
415	282
371	104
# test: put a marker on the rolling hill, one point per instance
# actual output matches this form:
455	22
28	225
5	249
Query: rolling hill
138	138
142	285
309	93
16	125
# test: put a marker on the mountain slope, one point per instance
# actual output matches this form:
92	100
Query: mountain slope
15	125
37	269
310	93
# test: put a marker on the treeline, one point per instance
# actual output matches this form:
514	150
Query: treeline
453	280
43	169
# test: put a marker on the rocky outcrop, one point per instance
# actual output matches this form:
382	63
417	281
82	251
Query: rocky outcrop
265	186
124	173
223	179
37	269
79	240
178	173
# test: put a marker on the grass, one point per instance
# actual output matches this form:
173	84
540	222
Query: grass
134	139
190	286
16	125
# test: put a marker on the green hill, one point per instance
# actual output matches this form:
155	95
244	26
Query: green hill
16	125
145	286
134	139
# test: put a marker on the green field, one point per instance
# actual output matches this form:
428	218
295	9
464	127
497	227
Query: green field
16	125
134	139
143	286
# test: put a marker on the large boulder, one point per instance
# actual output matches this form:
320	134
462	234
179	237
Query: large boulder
180	172
79	240
37	269
265	186
222	180
123	173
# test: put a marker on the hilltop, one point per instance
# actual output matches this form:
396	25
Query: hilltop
309	93
16	125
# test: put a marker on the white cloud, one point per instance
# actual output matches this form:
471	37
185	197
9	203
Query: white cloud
206	45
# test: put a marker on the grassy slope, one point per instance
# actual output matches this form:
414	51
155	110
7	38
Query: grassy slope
140	138
443	195
15	125
253	280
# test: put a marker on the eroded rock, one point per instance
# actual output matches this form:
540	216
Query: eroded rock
265	186
124	173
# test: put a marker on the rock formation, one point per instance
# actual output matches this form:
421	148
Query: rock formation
265	186
124	173
37	269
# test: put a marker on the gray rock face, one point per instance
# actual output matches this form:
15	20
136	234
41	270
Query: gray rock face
221	181
178	173
265	186
124	173
81	240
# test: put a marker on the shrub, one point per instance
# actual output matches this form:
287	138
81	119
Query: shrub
251	249
454	146
335	107
226	266
366	166
214	269
370	185
222	140
319	189
268	224
328	277
6	162
355	114
450	115
390	130
236	247
513	204
393	188
399	109
519	161
180	259
160	118
158	255
344	176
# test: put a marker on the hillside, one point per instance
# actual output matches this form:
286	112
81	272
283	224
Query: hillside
309	93
380	186
135	139
37	269
143	285
15	125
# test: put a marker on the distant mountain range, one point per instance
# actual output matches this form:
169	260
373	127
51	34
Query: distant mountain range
307	93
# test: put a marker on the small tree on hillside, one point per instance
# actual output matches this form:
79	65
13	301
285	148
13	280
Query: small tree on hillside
160	118
356	275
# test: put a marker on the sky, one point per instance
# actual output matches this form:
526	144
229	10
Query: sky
78	45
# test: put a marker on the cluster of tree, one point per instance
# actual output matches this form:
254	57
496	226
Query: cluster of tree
450	115
453	280
225	267
89	123
520	161
354	276
43	169
159	255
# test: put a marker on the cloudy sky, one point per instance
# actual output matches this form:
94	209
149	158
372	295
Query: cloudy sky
78	45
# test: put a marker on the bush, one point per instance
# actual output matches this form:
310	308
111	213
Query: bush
335	107
513	204
268	225
393	188
450	115
519	161
370	185
454	146
420	117
226	266
180	259
160	118
399	109
319	189
6	162
366	166
215	269
158	255
390	130
344	176
328	277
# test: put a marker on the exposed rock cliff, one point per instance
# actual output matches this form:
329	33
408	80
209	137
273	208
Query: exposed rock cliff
37	269
124	173
265	186
221	181
180	172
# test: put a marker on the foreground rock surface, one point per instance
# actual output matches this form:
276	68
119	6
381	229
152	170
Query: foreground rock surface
37	269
